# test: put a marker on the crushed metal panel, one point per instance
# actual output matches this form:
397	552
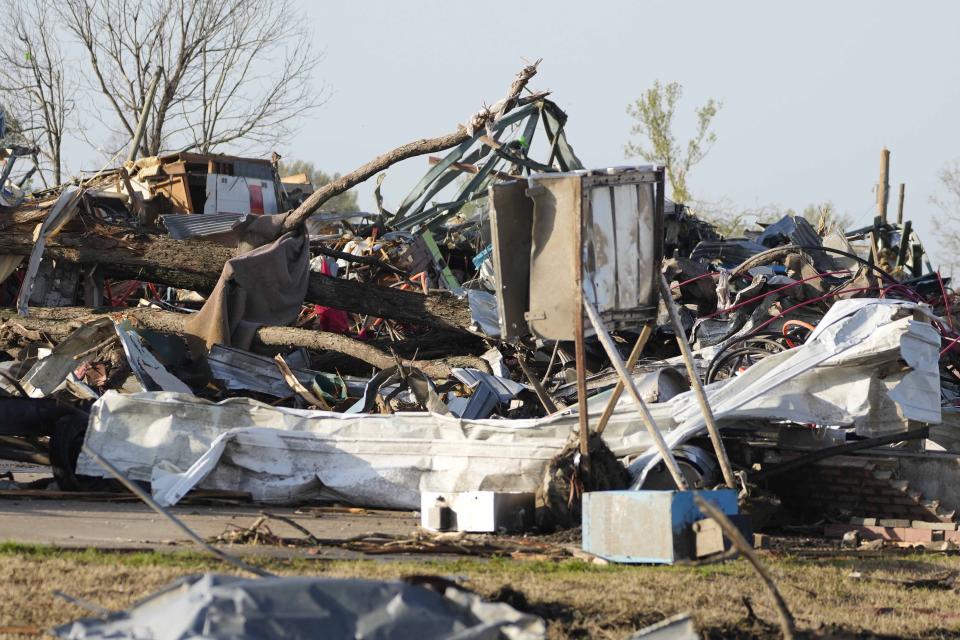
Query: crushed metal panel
222	606
62	212
50	372
55	284
511	228
178	441
183	226
152	375
848	372
241	370
553	257
622	214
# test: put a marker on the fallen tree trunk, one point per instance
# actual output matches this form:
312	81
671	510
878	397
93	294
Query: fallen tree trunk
196	265
58	322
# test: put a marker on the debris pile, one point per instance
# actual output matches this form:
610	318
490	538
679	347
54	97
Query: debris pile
196	322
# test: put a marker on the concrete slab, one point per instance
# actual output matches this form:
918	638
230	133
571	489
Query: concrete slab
107	525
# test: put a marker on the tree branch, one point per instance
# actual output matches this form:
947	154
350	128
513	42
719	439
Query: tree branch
419	147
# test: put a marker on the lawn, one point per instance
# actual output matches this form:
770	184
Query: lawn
830	593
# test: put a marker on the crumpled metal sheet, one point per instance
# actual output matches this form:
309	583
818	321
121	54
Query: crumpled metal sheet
49	373
488	391
62	212
484	312
288	608
277	454
846	373
183	226
280	455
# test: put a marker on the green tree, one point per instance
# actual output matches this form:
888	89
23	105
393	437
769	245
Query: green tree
342	203
653	113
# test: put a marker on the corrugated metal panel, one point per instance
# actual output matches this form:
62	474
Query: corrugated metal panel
185	226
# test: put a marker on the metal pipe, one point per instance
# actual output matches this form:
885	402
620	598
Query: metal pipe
150	502
787	624
718	447
631	387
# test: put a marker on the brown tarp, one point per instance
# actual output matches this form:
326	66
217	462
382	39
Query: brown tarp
264	285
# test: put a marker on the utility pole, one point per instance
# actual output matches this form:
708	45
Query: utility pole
883	189
900	204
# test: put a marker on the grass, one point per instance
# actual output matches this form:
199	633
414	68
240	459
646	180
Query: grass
577	598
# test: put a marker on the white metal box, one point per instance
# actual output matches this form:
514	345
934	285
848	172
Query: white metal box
478	511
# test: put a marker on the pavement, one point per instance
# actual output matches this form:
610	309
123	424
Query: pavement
106	525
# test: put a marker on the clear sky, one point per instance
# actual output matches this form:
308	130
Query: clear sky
811	90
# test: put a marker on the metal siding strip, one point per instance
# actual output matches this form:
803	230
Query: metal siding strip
625	207
646	254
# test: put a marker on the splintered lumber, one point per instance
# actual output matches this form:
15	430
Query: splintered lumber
58	322
196	265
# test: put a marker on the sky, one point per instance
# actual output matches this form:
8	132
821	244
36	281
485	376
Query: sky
811	91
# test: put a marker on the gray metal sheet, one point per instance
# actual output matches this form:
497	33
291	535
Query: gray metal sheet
553	296
185	226
621	248
286	608
511	226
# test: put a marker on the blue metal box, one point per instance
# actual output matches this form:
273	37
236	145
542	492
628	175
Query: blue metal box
646	527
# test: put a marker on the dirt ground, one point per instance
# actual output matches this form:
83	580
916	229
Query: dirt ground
577	598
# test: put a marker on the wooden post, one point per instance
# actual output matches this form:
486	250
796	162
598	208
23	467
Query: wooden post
542	395
905	232
787	625
618	390
579	348
712	430
883	188
607	343
900	204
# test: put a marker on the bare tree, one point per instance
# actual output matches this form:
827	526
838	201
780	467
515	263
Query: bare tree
948	222
653	113
825	216
34	84
233	71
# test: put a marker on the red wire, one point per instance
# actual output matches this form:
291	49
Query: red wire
786	286
805	303
946	301
913	294
711	274
950	346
